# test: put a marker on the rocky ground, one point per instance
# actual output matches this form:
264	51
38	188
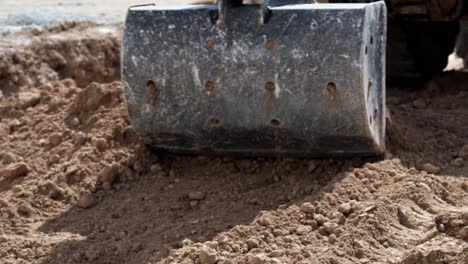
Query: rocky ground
78	185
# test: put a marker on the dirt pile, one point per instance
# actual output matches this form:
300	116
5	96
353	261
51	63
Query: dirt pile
77	185
81	51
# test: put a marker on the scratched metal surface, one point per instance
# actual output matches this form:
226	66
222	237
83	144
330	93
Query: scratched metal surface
308	82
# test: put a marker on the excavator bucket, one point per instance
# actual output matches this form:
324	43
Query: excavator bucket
281	78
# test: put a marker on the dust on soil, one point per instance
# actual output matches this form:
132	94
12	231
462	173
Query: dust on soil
77	185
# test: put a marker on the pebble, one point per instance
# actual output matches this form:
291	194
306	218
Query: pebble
86	201
25	209
101	144
80	138
7	157
155	168
320	219
420	103
109	174
14	171
458	162
332	239
463	153
207	257
139	166
252	243
53	159
308	208
3	203
74	122
345	208
28	99
196	196
463	234
107	186
193	204
330	227
429	168
55	139
258	259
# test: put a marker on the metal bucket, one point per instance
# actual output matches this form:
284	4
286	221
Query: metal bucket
304	80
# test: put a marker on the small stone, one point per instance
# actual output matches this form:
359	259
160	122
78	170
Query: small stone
91	98
345	208
197	196
3	203
330	227
14	171
332	239
7	158
109	174
139	166
101	144
463	153
458	162
193	204
28	99
341	220
74	122
320	219
441	227
252	243
92	253
463	234
429	168
276	253
25	209
107	186
155	168
4	131
53	159
80	138
258	259
207	257
308	208
420	103
86	201
53	191
55	139
301	230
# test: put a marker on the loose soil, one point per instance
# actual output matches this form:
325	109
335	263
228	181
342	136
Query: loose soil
78	185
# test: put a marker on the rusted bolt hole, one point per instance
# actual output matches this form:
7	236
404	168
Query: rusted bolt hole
331	87
209	86
370	85
270	45
152	92
210	44
375	112
270	87
275	122
370	120
214	121
366	50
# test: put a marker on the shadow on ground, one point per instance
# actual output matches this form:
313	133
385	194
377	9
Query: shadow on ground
144	220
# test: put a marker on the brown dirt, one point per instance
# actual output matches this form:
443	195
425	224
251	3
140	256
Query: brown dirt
77	185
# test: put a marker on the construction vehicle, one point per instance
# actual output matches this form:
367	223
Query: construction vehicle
276	78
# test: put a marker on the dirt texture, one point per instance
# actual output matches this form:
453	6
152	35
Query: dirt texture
78	185
81	51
